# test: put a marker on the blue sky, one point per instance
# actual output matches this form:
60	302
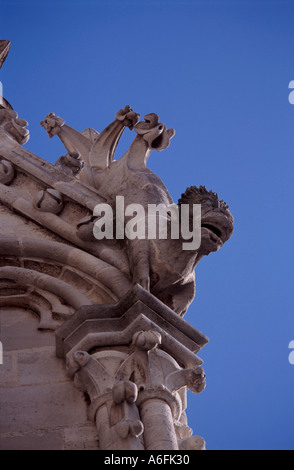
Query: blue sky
218	72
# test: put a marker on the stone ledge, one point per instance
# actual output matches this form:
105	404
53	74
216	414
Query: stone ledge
114	325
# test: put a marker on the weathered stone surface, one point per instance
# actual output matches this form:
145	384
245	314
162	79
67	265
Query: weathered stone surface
131	359
61	404
39	366
19	329
113	325
116	304
31	441
82	437
8	370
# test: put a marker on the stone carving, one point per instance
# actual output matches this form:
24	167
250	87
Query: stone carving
135	360
145	392
124	415
116	305
6	172
161	266
112	402
85	228
13	126
70	163
49	200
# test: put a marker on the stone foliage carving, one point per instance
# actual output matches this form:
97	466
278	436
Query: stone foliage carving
143	380
136	370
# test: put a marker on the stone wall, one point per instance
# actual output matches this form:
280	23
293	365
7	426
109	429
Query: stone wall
40	407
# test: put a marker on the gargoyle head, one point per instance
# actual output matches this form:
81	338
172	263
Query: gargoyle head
12	124
216	219
154	133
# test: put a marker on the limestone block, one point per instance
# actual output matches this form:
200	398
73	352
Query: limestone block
82	437
41	407
33	441
8	370
39	366
19	330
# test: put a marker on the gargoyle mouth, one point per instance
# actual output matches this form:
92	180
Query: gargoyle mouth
218	226
162	140
213	229
215	233
154	133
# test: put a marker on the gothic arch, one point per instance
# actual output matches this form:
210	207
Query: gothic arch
53	279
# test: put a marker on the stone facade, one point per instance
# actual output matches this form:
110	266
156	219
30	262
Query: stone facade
96	353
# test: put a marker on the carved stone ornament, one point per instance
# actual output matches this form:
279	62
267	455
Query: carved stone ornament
85	228
70	164
116	302
161	266
49	200
135	360
6	172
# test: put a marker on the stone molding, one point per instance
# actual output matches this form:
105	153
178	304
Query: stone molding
135	361
116	305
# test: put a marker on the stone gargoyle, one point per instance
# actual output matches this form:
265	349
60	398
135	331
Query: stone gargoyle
159	265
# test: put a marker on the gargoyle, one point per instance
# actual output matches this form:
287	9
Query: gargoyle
94	149
159	265
173	280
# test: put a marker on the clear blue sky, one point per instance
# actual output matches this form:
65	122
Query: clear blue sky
218	72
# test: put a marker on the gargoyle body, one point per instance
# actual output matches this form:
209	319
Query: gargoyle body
159	265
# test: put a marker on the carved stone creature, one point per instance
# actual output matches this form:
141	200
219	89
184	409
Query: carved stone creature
70	164
13	126
175	276
160	265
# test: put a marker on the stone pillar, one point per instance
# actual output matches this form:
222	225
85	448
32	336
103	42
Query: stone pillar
135	364
159	431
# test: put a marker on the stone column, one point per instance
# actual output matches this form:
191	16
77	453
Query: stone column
135	372
159	431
